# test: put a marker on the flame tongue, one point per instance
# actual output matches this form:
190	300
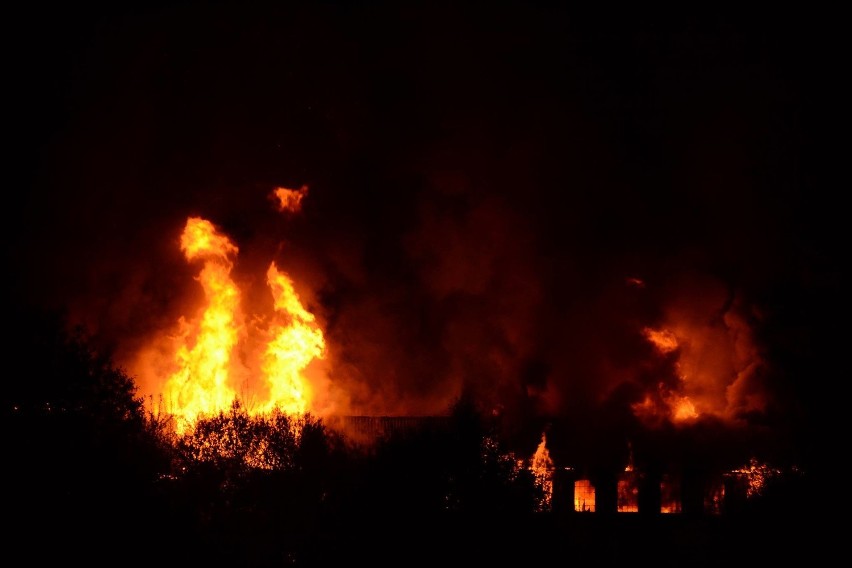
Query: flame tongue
294	345
542	467
200	385
203	384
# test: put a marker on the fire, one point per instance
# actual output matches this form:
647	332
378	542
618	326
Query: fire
682	408
200	386
628	493
289	199
215	354
295	344
667	403
584	496
713	365
757	475
670	495
664	340
628	490
542	468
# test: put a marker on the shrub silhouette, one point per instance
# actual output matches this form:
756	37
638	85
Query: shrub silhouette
82	454
97	478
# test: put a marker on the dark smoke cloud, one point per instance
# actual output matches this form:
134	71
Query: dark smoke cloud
499	201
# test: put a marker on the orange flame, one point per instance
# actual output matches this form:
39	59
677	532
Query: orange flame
682	408
757	476
718	367
200	386
670	495
628	490
628	493
584	496
667	404
294	345
664	340
289	199
215	353
542	468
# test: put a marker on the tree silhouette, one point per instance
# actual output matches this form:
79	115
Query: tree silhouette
96	478
82	455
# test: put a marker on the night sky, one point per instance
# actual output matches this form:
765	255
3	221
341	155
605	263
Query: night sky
499	197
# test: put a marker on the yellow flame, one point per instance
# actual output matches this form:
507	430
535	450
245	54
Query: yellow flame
206	352
294	345
200	384
289	199
584	496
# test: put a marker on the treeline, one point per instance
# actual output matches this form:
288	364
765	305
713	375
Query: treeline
93	475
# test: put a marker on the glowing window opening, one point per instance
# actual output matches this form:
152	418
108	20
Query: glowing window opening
584	496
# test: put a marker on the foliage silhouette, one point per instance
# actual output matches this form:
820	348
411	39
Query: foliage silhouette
83	455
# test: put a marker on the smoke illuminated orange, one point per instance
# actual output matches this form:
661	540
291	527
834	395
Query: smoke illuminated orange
757	476
289	199
663	339
670	495
294	345
717	368
584	496
542	468
681	407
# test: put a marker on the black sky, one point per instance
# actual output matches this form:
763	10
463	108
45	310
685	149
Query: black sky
483	181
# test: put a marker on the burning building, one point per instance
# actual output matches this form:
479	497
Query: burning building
272	354
609	231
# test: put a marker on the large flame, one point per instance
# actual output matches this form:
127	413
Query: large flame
295	344
215	352
200	386
542	468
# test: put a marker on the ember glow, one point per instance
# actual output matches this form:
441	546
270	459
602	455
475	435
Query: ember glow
201	385
628	493
210	376
440	230
628	487
756	475
709	365
542	468
584	496
670	501
663	339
